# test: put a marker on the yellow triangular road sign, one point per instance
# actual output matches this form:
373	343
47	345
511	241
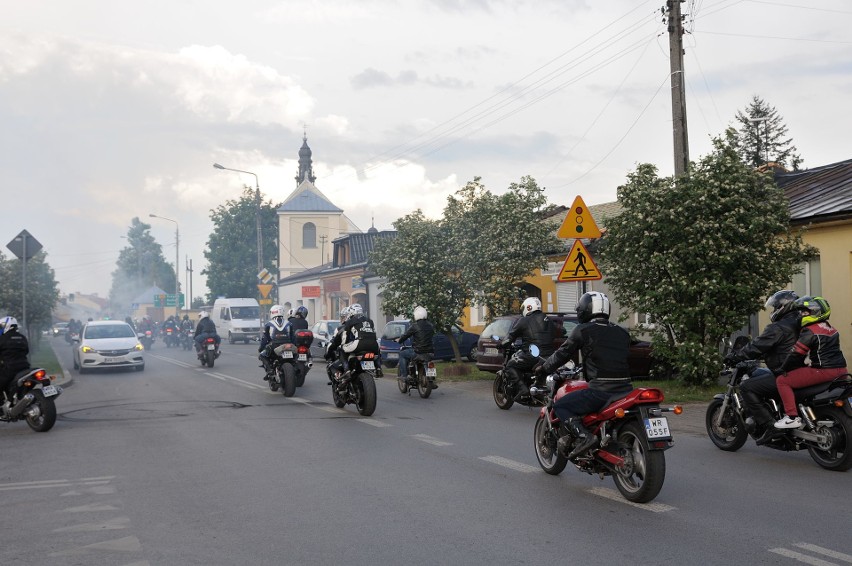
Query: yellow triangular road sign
578	222
579	265
264	290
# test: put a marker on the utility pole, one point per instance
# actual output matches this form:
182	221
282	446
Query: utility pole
681	140
188	264
322	240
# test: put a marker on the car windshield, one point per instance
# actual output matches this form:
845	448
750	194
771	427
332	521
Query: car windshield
245	313
109	331
393	331
332	327
498	328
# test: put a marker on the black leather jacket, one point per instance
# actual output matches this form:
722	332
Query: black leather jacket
822	342
604	346
205	326
774	344
535	328
422	333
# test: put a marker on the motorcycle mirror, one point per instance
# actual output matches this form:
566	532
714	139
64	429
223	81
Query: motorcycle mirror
534	350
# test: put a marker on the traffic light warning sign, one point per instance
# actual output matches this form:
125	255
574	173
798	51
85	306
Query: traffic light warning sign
579	265
578	222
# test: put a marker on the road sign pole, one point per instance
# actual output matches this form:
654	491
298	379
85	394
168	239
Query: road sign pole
24	285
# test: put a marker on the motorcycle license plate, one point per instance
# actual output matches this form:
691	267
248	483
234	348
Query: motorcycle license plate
431	372
657	427
393	356
491	351
303	357
49	390
288	355
211	346
368	365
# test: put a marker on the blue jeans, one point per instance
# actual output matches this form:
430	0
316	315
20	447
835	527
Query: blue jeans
405	356
582	403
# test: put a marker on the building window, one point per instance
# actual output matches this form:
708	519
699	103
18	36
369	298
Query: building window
809	281
645	321
309	235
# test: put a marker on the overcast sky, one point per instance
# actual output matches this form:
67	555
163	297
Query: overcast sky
112	109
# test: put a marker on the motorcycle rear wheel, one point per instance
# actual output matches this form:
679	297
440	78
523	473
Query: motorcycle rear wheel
301	373
837	456
549	458
501	392
366	394
731	435
641	477
211	357
424	386
287	374
46	418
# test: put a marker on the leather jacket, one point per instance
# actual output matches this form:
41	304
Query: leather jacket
822	342
773	345
535	328
604	346
205	326
422	333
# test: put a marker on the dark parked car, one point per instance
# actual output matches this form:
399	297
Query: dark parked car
443	348
489	358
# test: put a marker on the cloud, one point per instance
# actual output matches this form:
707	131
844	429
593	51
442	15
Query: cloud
373	78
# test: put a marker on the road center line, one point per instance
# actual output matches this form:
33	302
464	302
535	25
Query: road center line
511	464
373	422
801	557
824	551
431	440
616	496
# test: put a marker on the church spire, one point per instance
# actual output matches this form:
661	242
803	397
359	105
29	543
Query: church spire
306	170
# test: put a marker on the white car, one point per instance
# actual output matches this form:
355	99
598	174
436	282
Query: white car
108	344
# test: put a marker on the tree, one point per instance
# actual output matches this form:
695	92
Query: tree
499	240
232	248
42	291
762	136
140	265
700	253
420	271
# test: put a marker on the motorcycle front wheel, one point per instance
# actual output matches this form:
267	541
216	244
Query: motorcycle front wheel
730	435
641	476
366	394
549	458
402	383
424	386
301	373
287	373
45	418
502	395
836	454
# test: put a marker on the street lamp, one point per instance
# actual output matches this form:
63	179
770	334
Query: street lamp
177	259
256	213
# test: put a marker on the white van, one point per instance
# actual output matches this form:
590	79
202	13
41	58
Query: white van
237	319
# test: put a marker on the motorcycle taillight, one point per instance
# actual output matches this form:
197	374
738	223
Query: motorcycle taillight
302	349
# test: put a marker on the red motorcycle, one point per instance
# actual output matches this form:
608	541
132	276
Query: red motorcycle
632	437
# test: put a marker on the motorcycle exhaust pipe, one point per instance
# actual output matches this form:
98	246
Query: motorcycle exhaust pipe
18	409
310	365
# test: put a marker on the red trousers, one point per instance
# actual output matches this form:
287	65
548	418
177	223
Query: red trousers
802	377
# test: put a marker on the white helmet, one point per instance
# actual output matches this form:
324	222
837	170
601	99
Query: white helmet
420	313
276	310
7	323
344	314
531	304
203	314
355	310
290	313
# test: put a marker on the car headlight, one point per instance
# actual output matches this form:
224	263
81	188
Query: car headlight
138	347
87	349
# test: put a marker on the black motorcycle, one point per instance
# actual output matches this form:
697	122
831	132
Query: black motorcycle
421	375
355	384
31	397
186	338
825	409
290	363
208	351
505	392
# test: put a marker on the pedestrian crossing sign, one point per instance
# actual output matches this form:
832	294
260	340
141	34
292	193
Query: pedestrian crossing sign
579	265
578	222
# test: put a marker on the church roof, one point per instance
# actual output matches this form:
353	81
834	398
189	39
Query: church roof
307	198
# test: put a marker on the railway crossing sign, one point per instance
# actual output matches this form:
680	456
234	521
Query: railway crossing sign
579	265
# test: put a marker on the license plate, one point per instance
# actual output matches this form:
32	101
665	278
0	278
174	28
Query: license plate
431	372
211	346
288	355
111	360
491	351
49	390
303	357
369	365
393	356
657	427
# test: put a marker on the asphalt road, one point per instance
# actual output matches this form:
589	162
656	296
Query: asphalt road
181	464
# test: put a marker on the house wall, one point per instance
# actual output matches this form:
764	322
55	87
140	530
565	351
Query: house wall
292	257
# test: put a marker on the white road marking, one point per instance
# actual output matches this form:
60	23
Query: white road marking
111	524
616	496
55	483
511	464
802	557
125	544
431	440
824	551
91	507
373	422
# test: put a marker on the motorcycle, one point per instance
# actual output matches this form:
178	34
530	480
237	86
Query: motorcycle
31	398
186	338
170	337
825	409
146	338
421	375
208	352
505	392
355	385
632	433
291	363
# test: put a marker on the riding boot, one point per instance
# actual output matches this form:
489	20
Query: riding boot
585	439
523	390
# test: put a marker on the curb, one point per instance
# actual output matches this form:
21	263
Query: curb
67	378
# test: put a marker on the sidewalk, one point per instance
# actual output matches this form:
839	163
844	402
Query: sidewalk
66	378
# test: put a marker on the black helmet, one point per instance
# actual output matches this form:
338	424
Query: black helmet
781	303
302	312
593	305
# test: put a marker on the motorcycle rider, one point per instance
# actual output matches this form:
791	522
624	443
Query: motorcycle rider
604	346
422	333
170	323
357	337
819	340
14	349
534	327
276	331
773	345
334	360
146	325
205	328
